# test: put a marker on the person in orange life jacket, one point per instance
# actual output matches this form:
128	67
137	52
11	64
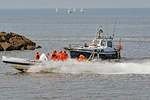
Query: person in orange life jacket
81	58
64	55
54	55
59	57
37	57
120	46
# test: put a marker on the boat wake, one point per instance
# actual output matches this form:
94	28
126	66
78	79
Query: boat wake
103	67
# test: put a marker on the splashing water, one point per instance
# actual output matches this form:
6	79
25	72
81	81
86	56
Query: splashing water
103	67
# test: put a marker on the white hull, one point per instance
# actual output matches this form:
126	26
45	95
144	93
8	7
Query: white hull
19	63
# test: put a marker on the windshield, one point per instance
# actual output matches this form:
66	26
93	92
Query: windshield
109	44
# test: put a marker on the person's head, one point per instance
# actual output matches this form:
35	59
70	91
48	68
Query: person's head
60	51
81	55
48	54
54	50
37	53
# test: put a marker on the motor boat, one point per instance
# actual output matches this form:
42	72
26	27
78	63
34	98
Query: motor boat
22	64
102	48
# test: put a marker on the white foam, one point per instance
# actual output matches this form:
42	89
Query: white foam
104	67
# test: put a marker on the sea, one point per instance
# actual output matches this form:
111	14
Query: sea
126	79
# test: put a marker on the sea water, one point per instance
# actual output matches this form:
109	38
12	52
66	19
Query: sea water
127	79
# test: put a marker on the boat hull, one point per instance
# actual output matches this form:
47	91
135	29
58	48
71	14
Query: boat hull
101	55
21	68
18	63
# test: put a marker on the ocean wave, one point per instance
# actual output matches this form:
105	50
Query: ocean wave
103	67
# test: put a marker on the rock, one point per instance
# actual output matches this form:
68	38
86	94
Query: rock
38	47
13	41
30	47
5	45
1	48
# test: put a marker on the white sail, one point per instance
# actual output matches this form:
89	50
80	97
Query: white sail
81	10
56	10
74	10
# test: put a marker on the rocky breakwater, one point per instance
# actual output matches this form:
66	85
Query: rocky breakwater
13	41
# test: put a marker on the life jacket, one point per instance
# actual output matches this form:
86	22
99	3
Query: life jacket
81	58
64	56
53	56
37	57
59	57
120	46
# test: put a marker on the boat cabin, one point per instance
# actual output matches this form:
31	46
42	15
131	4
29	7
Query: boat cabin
102	42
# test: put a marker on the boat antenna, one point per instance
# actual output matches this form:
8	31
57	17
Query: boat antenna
114	28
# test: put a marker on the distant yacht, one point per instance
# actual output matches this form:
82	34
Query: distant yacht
69	11
81	10
74	10
56	10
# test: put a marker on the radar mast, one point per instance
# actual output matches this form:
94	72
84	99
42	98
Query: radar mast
99	33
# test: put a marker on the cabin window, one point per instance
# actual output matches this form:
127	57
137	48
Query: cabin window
109	44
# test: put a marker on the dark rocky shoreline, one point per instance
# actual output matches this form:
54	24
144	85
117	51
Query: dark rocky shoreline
13	41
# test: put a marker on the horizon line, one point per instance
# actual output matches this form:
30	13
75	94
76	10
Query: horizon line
74	7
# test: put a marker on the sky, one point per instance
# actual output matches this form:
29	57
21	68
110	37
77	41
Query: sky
74	3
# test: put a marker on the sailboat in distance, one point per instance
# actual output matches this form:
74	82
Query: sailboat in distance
69	11
81	10
56	10
74	10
